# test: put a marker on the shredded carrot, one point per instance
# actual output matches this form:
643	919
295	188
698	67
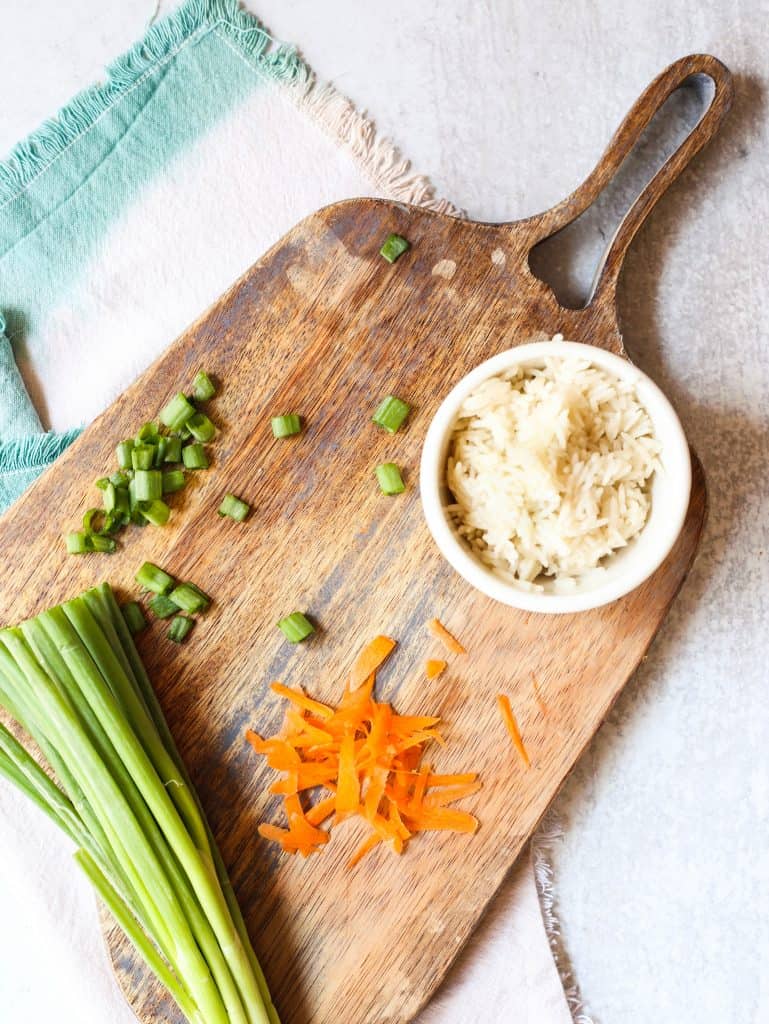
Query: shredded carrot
368	844
369	660
369	761
434	667
537	695
449	641
313	706
512	727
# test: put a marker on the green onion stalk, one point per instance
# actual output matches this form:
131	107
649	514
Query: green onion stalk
73	679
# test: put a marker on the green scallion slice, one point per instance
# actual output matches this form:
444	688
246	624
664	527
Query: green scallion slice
173	452
163	607
394	247
296	627
76	543
155	512
134	617
109	496
143	456
119	480
190	598
137	518
147	432
286	426
391	413
124	450
122	502
93	521
97	542
390	479
114	521
201	427
102	483
203	387
194	456
234	508
148	485
151	577
173	480
177	412
160	450
180	628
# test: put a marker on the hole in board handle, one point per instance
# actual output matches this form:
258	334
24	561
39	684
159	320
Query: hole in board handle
569	260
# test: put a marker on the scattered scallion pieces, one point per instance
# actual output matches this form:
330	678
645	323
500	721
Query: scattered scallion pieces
163	607
194	456
296	627
102	483
176	413
394	247
203	387
173	480
234	508
390	479
173	452
201	427
147	432
286	426
123	451
134	617
143	456
155	512
151	577
391	414
190	598
148	484
97	542
76	543
119	480
93	521
180	628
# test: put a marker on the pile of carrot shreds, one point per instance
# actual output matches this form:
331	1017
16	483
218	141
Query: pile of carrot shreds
367	759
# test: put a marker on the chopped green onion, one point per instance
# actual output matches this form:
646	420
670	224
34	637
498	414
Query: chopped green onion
148	484
89	526
119	480
394	247
122	502
173	480
147	432
203	387
190	598
194	456
201	427
143	456
177	412
234	508
391	413
151	577
110	496
160	450
134	617
390	479
124	450
180	628
173	452
137	518
184	433
296	627
102	483
96	542
163	607
286	426
155	512
76	543
113	521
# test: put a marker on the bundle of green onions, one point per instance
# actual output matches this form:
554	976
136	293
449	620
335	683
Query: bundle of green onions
73	680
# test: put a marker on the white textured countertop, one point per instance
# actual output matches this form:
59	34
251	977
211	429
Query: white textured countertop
663	877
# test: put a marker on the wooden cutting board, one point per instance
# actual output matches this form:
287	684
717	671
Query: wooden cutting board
323	326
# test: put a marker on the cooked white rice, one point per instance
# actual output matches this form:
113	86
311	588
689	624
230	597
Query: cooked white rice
550	469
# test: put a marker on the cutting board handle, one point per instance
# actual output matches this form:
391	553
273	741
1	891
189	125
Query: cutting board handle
623	141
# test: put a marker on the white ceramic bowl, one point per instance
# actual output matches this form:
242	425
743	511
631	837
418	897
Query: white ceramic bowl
626	568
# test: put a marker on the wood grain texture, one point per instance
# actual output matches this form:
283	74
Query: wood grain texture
322	325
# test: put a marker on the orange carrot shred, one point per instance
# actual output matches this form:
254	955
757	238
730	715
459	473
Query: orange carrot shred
512	727
369	660
348	791
368	844
322	810
449	641
314	706
434	667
